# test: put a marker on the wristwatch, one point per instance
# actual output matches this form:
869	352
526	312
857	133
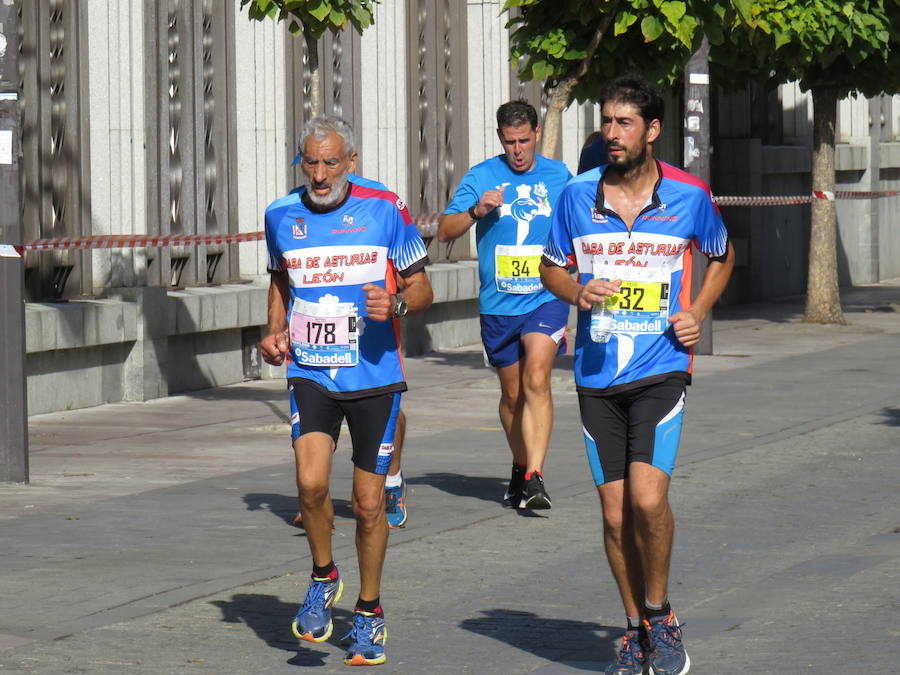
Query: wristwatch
471	212
400	307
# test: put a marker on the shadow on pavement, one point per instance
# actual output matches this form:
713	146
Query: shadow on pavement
789	309
468	359
480	487
285	506
785	310
531	513
891	417
269	618
276	400
578	644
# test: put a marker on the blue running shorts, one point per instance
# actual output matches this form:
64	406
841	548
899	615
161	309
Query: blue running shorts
372	422
502	334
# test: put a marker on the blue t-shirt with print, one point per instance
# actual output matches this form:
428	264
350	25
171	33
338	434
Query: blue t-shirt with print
510	239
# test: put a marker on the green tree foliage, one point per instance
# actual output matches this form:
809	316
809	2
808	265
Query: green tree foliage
845	46
833	48
311	19
653	37
314	17
575	45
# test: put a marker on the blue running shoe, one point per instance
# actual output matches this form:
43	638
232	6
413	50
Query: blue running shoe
395	505
366	639
313	620
630	658
667	654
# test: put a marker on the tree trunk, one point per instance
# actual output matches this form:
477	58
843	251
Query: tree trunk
823	299
557	102
312	94
558	96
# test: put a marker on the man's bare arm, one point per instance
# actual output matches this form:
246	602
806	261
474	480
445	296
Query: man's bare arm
274	346
558	281
453	225
687	324
416	291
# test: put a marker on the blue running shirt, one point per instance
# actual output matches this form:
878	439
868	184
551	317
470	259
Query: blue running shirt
510	239
329	257
654	261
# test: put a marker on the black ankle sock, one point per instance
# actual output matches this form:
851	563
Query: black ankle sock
372	606
657	614
322	572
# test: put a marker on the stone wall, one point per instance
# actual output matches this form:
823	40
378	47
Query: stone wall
137	344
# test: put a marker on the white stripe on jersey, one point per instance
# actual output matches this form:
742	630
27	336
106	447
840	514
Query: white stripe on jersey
553	253
718	247
651	251
412	251
336	265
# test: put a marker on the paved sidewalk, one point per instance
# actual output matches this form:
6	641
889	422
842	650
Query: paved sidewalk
155	537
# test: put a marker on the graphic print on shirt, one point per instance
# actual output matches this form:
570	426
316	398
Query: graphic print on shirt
517	265
645	268
328	265
645	264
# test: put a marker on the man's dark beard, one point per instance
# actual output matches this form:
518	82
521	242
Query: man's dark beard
629	163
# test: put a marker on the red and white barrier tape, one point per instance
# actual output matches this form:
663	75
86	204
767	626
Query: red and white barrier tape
140	240
426	224
785	200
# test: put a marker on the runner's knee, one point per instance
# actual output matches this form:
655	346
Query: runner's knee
649	506
312	495
511	399
368	505
536	382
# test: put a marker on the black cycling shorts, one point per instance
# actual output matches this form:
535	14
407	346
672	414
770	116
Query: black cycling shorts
372	422
636	425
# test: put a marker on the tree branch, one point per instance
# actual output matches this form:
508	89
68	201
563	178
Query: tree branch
585	64
558	95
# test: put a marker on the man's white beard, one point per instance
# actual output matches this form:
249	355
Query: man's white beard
334	194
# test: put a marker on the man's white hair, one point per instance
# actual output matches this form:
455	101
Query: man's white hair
320	127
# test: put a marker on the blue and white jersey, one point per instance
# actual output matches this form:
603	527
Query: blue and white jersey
329	256
654	262
511	238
